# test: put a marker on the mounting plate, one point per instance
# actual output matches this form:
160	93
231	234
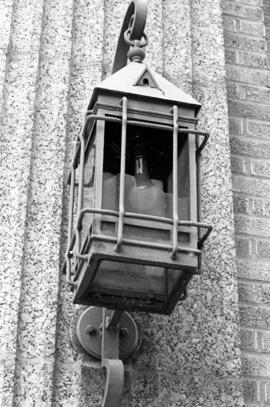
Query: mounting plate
89	333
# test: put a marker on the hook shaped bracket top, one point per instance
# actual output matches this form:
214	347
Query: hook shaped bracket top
134	23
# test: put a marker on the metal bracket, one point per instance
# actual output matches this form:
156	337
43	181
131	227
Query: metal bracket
134	21
114	382
110	359
110	336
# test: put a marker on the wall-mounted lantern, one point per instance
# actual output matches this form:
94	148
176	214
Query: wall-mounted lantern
136	239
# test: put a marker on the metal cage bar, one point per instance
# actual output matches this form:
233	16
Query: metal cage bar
131	241
175	183
81	180
92	117
70	220
75	239
141	216
122	175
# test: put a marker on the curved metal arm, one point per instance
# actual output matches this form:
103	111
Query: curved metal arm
114	382
134	19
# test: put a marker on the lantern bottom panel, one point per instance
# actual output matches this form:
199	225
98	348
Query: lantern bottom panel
134	278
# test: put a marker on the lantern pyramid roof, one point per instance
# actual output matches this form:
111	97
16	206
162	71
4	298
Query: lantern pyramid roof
137	78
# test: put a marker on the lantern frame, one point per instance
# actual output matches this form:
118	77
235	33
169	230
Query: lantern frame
111	107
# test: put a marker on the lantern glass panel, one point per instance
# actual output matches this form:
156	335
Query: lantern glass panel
128	279
134	283
88	185
153	195
141	274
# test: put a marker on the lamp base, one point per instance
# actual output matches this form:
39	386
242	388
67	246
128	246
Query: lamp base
89	333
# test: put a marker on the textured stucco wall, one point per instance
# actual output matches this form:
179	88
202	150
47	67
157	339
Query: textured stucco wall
52	54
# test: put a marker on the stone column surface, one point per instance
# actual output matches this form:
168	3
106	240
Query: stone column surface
53	52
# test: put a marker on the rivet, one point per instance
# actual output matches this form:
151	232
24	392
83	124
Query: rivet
91	330
124	332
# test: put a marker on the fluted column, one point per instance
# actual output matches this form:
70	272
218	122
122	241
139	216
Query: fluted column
21	28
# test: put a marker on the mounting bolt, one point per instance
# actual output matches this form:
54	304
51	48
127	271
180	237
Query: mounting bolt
123	332
91	330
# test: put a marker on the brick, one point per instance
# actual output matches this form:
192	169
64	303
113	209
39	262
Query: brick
264	341
267	208
236	125
249	292
241	204
255	317
260	168
251	2
258	270
266	7
231	56
263	249
245	42
266	391
250	390
230	23
256	365
233	91
265	292
249	340
253	76
253	270
244	11
258	94
253	60
250	147
252	186
252	28
258	129
257	207
251	110
242	247
238	164
252	226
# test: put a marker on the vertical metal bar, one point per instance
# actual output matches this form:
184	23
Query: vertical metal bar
110	337
122	175
175	183
71	205
198	177
114	319
81	183
70	219
110	360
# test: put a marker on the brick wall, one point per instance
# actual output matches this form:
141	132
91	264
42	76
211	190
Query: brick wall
266	9
246	30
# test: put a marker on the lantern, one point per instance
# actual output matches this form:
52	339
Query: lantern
134	236
136	240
